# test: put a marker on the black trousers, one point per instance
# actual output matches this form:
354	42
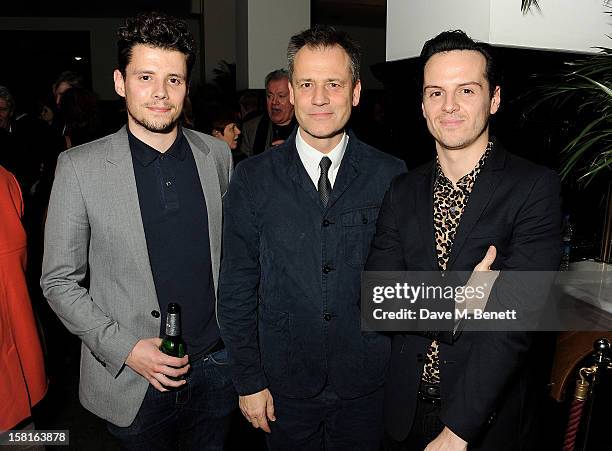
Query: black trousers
327	422
425	427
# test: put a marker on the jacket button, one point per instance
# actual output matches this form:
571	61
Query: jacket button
327	269
155	314
327	316
492	418
419	357
326	223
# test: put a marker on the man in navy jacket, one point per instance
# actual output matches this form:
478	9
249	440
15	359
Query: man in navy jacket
298	225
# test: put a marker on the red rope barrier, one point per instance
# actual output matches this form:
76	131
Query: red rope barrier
573	424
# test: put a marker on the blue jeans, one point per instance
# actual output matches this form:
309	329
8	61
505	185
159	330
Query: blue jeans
196	417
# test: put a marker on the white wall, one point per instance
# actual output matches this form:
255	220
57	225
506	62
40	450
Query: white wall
411	23
268	25
576	25
103	42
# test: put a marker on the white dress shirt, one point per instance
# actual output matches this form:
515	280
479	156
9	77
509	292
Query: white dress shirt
311	157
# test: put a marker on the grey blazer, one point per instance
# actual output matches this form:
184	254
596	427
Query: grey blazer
249	130
94	221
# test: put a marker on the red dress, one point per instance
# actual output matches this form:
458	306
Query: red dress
24	382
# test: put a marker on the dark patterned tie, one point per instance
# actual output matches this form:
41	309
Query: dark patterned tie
324	185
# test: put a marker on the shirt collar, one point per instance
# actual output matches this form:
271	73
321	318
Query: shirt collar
146	154
471	176
311	157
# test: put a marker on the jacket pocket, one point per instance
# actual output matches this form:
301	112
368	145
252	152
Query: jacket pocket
274	341
358	230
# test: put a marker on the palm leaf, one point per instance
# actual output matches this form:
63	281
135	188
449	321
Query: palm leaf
527	4
587	86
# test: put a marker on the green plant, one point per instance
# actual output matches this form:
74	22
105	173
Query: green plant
592	83
225	77
588	84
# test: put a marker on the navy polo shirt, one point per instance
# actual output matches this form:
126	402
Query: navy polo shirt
175	221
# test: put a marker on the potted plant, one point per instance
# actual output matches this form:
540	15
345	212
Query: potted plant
588	84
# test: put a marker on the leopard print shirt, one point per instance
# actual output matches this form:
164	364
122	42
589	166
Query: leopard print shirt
449	203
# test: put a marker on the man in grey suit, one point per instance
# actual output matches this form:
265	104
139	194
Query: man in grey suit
141	209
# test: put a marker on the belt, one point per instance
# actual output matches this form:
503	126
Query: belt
429	392
214	348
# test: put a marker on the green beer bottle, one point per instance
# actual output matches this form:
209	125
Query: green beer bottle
173	344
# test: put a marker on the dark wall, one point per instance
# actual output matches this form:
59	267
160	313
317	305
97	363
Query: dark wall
32	60
537	134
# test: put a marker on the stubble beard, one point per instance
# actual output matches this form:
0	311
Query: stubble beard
155	127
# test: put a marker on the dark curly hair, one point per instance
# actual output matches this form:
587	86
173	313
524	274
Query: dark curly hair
325	36
156	30
448	41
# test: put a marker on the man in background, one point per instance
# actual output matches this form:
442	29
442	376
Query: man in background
66	80
273	128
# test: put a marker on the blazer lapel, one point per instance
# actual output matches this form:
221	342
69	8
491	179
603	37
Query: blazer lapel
297	172
348	171
481	195
125	203
424	209
209	178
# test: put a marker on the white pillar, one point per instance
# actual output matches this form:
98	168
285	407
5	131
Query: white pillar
263	29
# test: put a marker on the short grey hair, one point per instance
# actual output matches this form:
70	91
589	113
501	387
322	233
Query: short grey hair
278	74
321	37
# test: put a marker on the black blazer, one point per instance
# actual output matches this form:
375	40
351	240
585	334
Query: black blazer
289	288
515	206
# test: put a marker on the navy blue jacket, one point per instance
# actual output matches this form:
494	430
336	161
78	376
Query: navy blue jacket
289	289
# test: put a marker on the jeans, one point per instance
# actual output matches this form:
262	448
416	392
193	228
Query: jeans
327	422
195	417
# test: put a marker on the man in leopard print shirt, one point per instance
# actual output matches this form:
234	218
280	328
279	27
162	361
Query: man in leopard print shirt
476	207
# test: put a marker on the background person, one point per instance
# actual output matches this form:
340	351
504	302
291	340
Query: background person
273	127
24	382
